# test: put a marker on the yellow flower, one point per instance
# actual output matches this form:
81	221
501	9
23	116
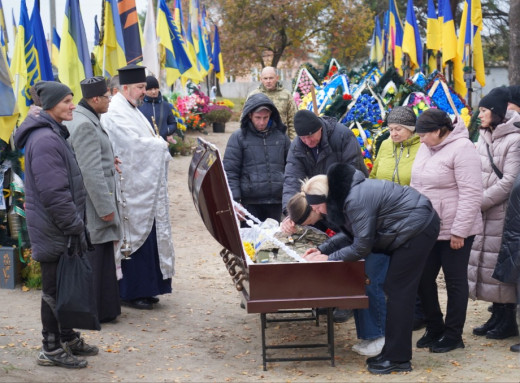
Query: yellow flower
356	132
250	250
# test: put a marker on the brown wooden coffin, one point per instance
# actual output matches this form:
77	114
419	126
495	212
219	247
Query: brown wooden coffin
267	287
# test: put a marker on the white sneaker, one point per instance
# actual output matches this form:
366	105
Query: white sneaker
371	347
360	345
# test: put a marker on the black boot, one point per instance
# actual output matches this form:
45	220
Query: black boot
506	326
496	314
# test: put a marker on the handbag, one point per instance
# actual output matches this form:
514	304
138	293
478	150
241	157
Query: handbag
75	301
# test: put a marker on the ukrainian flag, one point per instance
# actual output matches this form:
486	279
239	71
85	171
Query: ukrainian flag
376	51
470	39
113	44
55	50
24	65
449	38
412	44
197	40
395	35
3	28
192	73
433	35
175	60
218	64
44	61
74	61
8	109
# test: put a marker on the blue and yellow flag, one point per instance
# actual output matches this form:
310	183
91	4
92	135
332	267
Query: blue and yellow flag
24	65
131	31
8	108
113	44
449	37
44	61
3	27
173	57
470	40
192	73
218	63
207	38
376	50
395	28
194	28
74	63
97	51
412	44
55	50
433	35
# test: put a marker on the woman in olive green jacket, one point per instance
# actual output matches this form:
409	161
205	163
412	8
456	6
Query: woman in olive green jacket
397	153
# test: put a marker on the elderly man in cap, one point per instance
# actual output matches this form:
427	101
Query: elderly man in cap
55	207
98	166
321	142
144	195
255	156
281	98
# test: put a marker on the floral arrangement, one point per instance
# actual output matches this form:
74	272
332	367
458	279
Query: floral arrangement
182	146
230	104
366	108
419	102
218	114
250	250
364	138
441	97
196	103
195	122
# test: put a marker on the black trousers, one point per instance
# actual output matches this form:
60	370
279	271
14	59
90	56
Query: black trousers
52	333
401	285
454	265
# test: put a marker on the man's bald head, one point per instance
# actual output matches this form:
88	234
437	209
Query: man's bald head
269	78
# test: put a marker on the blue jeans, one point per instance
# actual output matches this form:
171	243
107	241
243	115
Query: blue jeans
370	323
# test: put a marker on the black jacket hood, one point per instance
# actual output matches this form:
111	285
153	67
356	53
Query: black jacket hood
37	121
255	101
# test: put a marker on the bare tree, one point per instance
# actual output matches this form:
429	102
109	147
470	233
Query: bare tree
514	42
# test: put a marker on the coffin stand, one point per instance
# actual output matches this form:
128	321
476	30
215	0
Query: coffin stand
271	288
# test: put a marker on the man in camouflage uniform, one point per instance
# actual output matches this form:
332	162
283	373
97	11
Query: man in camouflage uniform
280	97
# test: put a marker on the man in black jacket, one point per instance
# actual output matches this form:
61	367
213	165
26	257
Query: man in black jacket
55	210
255	156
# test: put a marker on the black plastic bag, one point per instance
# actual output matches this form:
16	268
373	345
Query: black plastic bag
75	301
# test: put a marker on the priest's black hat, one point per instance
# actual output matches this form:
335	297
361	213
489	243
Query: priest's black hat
93	87
132	74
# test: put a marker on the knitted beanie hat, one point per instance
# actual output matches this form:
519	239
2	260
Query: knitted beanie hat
306	123
433	119
515	94
402	115
497	100
151	83
51	93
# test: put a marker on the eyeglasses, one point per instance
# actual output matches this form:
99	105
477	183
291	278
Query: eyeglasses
107	97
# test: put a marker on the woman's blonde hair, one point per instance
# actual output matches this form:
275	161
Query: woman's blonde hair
317	185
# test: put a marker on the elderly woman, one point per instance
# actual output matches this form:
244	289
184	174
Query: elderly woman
499	149
381	217
447	170
396	155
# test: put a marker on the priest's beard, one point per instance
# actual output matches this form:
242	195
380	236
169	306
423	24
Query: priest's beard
138	102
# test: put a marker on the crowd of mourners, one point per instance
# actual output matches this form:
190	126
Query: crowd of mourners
433	200
96	183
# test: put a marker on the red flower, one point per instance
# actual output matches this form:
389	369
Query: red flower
347	97
379	121
330	74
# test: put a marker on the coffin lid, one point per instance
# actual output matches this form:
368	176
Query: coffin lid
212	197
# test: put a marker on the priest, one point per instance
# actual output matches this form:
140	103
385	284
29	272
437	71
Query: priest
147	260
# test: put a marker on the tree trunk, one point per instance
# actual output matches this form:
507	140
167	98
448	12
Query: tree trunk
514	43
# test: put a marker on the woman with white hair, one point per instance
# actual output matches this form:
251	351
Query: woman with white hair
378	216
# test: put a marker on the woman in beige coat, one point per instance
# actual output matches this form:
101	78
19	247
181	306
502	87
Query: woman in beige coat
499	149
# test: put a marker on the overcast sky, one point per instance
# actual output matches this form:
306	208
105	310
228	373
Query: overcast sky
89	8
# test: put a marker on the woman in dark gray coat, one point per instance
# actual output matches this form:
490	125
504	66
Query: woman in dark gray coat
383	217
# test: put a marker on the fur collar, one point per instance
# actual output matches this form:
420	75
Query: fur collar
341	178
